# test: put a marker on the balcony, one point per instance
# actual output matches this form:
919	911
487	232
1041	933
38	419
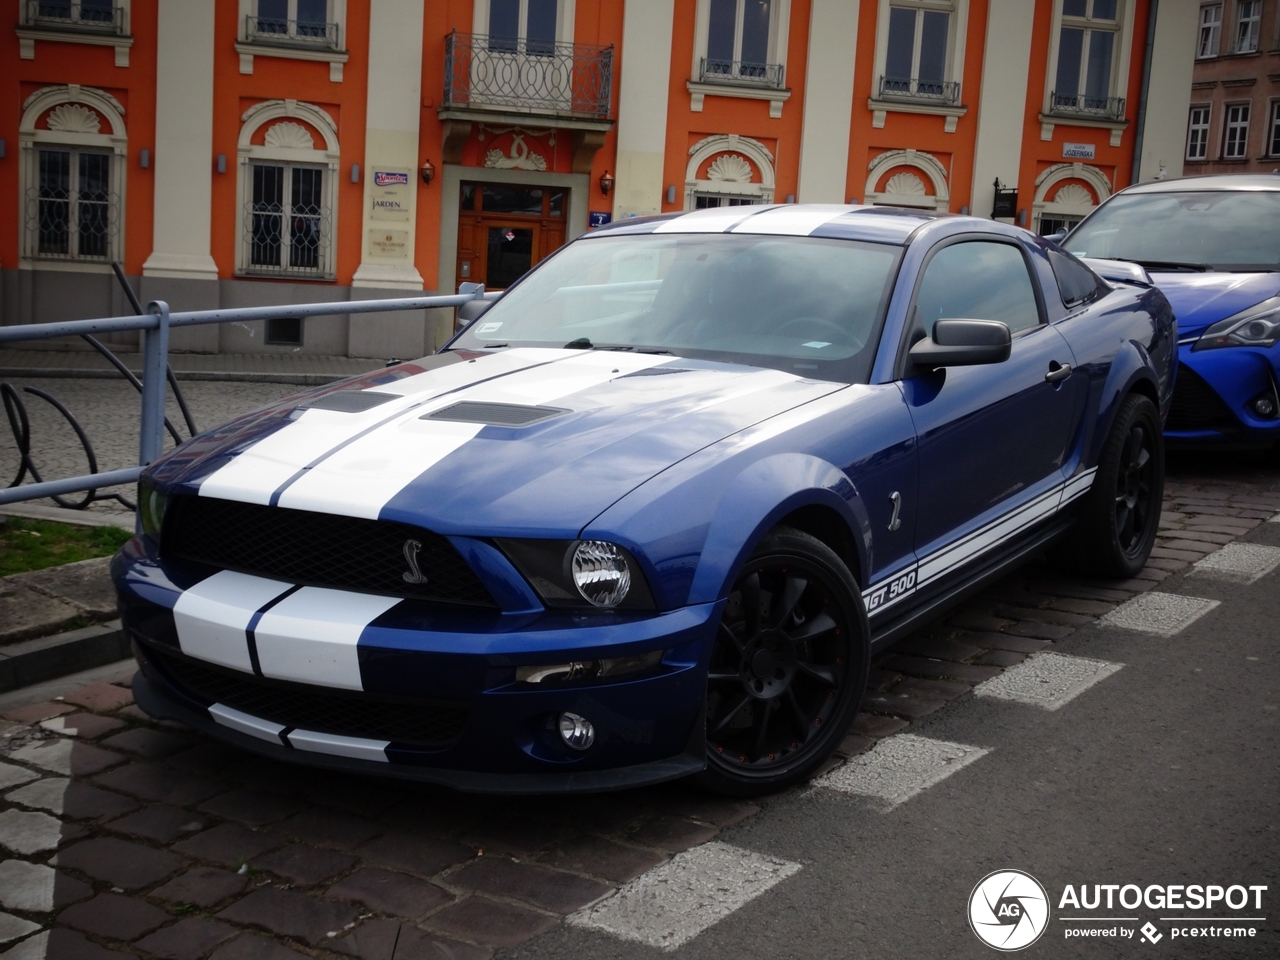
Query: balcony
101	17
1083	105
913	89
510	75
735	71
305	34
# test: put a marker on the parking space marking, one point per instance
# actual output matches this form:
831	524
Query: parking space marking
899	767
673	903
1275	519
1164	614
1046	680
1242	562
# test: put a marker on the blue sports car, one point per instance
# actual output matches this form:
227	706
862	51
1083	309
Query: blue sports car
649	515
1212	245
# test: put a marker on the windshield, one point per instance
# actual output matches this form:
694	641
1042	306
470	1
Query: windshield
1214	230
808	306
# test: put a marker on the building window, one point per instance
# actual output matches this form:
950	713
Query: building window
288	229
1210	31
1086	59
307	23
704	201
1198	133
530	21
73	208
740	38
1236	133
1273	139
1249	20
916	54
95	15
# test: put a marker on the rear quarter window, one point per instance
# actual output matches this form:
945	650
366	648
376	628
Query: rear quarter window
1077	284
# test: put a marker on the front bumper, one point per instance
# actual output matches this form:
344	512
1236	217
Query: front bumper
1215	391
431	693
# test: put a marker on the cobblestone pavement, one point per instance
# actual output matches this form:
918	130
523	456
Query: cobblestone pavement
126	835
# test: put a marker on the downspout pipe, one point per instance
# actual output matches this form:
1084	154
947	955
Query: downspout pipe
1146	84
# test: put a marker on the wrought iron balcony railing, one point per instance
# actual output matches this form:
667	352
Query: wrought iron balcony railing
291	33
735	71
1083	105
96	16
528	76
913	88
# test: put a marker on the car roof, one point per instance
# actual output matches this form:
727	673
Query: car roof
1213	181
835	221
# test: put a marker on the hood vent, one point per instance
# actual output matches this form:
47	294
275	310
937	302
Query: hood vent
494	414
349	401
655	372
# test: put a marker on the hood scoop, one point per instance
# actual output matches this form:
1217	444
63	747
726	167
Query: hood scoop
349	401
494	414
655	372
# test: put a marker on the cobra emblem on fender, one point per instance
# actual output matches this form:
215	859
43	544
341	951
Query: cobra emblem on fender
413	574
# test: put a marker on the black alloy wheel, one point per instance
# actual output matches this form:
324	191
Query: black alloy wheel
788	667
1118	519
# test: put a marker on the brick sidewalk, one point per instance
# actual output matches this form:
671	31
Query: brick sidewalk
126	835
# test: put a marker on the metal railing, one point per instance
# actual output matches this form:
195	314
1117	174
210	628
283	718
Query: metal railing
156	323
291	33
1083	105
529	76
913	88
94	17
737	72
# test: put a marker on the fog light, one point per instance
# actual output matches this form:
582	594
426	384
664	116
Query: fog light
1264	407
576	732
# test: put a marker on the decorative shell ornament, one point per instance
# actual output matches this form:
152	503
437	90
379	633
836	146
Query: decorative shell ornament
1073	194
907	184
74	118
290	135
520	157
730	167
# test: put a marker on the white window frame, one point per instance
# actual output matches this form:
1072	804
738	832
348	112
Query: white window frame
248	46
565	11
1273	131
745	89
1229	125
326	156
954	72
775	50
30	29
1248	32
955	42
1194	128
31	140
1210	36
1121	54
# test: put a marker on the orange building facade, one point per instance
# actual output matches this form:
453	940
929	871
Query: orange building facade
239	152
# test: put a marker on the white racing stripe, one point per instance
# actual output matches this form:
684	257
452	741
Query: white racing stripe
362	477
211	617
714	220
246	723
673	903
311	636
989	536
335	745
792	221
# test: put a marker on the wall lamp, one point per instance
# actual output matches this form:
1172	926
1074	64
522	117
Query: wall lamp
428	171
606	183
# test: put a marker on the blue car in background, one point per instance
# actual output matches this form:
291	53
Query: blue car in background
651	513
1212	245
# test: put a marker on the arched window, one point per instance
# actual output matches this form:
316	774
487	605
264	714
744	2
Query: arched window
288	191
73	146
728	170
1065	194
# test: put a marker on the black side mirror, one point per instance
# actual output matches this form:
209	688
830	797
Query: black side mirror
963	343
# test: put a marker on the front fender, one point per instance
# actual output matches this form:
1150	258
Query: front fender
1131	366
757	499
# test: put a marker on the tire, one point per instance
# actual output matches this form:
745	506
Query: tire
1119	517
783	685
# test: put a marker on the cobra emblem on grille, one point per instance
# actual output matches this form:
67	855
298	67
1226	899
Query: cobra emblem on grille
413	574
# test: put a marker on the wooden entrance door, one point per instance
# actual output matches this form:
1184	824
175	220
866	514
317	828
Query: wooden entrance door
504	229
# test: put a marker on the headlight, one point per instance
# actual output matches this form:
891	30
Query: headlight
1259	326
578	573
151	506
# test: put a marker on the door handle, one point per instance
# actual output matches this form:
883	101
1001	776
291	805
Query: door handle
1057	372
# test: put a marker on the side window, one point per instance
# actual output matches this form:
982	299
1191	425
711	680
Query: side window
1076	282
977	280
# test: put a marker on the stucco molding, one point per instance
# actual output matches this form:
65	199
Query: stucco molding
746	149
924	162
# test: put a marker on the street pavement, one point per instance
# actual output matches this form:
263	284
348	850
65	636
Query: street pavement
1031	729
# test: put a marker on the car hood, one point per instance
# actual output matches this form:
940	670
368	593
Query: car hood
437	442
1200	299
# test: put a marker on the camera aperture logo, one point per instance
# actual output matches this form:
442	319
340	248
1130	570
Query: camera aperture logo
1008	910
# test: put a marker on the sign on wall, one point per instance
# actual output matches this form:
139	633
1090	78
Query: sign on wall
598	218
389	244
390	196
1078	151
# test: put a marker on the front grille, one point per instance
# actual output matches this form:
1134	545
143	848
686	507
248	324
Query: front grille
416	722
319	549
1196	405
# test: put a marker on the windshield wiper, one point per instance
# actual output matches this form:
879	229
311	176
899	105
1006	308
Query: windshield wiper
493	346
1168	265
582	343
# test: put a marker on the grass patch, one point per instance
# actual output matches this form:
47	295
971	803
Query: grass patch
27	545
